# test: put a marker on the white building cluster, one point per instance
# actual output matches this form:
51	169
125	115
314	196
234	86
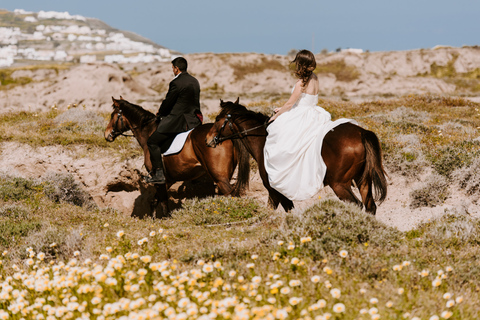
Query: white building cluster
71	42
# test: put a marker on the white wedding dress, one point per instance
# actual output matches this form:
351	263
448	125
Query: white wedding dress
293	148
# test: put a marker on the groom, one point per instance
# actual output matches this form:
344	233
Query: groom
179	112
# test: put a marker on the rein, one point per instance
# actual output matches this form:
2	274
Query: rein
242	134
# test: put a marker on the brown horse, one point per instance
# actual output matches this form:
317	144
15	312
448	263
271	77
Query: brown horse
192	162
350	153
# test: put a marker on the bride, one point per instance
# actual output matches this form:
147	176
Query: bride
293	147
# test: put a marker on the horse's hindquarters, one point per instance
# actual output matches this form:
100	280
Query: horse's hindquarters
343	153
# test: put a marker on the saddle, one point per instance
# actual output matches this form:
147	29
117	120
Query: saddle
175	144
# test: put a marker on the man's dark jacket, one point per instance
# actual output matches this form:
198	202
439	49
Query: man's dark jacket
180	110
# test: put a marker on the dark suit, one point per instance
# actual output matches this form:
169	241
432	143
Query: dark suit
179	110
178	113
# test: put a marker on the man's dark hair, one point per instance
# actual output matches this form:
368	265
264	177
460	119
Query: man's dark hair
180	63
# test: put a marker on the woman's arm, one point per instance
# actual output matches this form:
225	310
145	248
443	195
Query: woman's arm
297	91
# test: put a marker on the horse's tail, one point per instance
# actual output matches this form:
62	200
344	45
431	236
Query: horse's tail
243	175
374	171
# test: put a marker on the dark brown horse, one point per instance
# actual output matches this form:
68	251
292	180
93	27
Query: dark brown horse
350	153
192	162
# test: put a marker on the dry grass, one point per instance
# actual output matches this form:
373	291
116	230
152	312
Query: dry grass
242	69
340	69
8	82
71	128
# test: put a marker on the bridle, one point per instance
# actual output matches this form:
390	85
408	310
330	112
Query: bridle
113	134
236	135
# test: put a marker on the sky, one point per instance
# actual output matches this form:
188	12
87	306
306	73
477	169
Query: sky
278	26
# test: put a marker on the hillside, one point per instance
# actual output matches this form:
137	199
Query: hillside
250	76
32	37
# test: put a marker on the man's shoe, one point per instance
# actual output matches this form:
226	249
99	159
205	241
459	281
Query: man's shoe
157	177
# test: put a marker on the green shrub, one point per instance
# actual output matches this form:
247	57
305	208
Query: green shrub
221	210
7	82
13	211
433	192
62	187
452	230
12	230
54	242
336	225
405	161
18	188
468	177
446	160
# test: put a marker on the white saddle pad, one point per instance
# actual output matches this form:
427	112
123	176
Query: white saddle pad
178	143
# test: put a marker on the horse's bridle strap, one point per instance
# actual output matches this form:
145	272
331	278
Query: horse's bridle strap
242	134
115	133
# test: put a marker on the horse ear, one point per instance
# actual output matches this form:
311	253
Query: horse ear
115	102
121	98
222	103
237	101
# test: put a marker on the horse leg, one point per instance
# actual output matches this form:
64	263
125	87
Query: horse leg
287	204
344	192
274	197
160	202
365	189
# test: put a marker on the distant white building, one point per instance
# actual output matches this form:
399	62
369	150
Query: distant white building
352	50
144	58
88	58
164	52
21	11
30	19
60	55
59	15
7	62
9	35
77	30
7	55
38	35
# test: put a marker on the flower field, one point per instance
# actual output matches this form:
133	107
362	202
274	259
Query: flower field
61	257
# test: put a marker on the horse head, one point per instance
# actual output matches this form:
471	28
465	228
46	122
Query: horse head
118	123
224	125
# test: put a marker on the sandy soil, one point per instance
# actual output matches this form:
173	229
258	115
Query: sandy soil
117	184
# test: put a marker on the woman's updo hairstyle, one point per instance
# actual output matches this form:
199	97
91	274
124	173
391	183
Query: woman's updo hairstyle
304	65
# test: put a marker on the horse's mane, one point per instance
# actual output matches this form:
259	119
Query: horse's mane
134	113
241	113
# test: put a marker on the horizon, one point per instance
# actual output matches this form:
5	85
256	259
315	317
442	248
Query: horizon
274	28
